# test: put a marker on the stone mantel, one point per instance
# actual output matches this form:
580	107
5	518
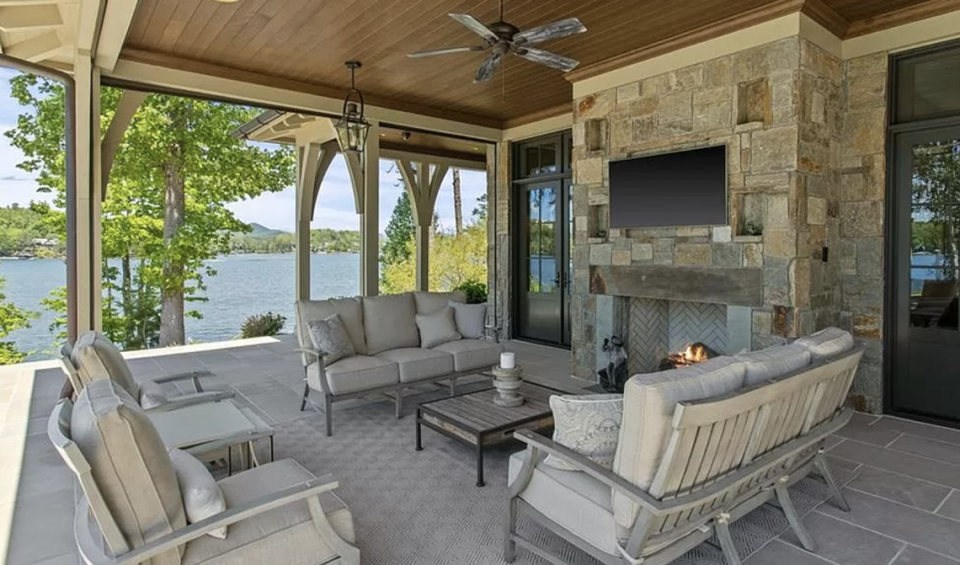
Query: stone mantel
733	287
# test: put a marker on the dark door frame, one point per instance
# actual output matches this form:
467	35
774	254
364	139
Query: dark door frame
892	217
564	178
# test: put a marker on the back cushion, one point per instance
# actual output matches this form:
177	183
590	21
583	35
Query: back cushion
130	465
350	311
826	343
430	302
96	357
390	322
648	404
773	362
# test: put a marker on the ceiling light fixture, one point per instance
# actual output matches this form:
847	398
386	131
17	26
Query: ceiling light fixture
352	128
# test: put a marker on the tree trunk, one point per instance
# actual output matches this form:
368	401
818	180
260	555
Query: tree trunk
172	330
457	202
126	298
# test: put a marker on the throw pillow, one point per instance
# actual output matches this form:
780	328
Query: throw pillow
201	495
589	425
470	319
151	395
329	336
437	328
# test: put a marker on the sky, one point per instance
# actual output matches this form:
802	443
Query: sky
335	207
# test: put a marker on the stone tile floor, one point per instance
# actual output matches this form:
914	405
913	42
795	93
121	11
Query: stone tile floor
905	501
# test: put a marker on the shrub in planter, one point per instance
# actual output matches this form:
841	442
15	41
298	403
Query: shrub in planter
476	291
260	325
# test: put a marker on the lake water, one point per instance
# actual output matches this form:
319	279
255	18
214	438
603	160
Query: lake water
245	285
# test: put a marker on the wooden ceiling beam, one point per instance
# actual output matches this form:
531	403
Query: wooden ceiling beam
25	18
37	48
117	17
900	17
826	16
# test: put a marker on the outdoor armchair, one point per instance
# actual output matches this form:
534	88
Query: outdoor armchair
94	357
132	510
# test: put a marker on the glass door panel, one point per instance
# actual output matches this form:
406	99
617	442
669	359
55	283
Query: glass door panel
541	298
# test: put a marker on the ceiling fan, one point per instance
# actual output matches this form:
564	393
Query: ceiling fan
501	38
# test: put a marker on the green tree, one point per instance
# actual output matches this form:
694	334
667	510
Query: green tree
400	232
11	318
178	167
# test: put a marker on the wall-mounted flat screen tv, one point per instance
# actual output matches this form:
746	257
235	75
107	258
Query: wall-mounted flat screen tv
686	188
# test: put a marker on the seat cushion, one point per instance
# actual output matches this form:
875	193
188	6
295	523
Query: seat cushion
353	374
826	343
389	322
430	302
350	311
284	535
576	501
130	465
649	401
96	357
773	362
417	364
472	354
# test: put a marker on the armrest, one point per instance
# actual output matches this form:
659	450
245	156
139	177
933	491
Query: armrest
195	376
232	515
605	476
192	400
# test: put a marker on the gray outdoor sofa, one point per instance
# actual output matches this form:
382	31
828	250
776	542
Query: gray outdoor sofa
699	448
384	333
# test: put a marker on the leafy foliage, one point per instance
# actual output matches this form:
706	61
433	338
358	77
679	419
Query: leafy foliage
454	260
261	325
11	318
166	212
24	231
475	290
400	231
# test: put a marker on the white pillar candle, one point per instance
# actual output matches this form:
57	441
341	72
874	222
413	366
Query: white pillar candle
507	360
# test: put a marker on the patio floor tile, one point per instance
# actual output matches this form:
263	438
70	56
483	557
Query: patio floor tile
899	462
900	488
845	543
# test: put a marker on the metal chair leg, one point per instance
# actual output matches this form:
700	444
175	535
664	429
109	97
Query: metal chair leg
306	393
726	541
328	413
786	504
823	467
399	402
510	546
453	386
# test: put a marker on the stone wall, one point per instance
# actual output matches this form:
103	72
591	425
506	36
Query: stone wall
499	250
861	211
777	108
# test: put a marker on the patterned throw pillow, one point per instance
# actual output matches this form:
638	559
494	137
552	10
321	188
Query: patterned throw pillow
329	335
437	328
589	425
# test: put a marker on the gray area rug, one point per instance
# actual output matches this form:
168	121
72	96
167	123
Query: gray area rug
422	508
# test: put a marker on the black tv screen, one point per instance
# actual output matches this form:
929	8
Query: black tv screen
687	188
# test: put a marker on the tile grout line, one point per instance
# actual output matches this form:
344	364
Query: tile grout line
942	502
894	440
897	473
898	554
908	453
898	503
810	553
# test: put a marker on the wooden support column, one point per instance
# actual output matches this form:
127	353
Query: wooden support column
423	186
313	160
127	106
370	218
87	252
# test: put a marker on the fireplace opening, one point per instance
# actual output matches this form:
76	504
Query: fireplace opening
692	354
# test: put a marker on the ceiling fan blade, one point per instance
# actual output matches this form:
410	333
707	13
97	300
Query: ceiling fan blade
476	27
556	30
446	51
490	64
547	58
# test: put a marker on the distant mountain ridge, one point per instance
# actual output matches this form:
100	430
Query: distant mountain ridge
263	231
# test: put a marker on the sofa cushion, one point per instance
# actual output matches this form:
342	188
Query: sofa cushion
649	401
470	319
430	302
389	322
152	395
773	362
437	328
826	343
130	465
352	374
329	336
576	501
96	357
284	535
417	364
350	311
471	354
588	424
198	489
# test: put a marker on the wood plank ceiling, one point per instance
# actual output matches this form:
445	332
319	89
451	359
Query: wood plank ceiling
302	44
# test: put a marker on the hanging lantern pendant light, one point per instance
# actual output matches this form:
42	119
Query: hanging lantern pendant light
352	128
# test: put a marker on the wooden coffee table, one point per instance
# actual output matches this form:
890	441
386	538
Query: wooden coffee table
475	420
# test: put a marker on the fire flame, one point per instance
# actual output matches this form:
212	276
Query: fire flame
694	354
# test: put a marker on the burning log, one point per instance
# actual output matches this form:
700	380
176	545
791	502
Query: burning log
693	353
